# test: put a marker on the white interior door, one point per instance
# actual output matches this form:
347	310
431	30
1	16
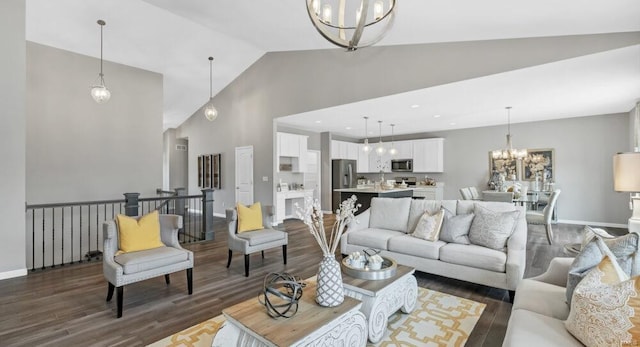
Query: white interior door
312	173
244	175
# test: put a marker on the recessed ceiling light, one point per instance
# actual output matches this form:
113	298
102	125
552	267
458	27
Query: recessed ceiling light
348	128
437	116
318	121
452	123
415	106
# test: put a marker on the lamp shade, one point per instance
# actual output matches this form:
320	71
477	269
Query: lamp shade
626	172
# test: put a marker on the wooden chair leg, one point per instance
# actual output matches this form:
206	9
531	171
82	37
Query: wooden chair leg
119	299
229	260
110	291
549	233
246	265
167	279
284	253
190	280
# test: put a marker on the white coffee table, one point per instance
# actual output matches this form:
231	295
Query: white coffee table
381	298
247	324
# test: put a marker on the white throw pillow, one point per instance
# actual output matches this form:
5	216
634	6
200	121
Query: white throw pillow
429	225
492	229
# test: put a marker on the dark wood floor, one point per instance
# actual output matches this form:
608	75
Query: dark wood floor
66	306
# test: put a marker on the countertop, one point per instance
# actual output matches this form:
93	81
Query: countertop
371	190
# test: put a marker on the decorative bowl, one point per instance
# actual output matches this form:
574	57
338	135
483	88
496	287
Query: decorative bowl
387	270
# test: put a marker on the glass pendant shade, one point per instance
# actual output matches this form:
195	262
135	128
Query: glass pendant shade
392	151
366	148
380	150
352	24
210	112
99	92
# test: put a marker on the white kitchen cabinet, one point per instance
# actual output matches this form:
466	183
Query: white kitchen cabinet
428	155
404	148
363	160
286	203
379	163
292	146
344	150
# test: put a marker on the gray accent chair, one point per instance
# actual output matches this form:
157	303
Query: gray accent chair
544	217
253	241
127	268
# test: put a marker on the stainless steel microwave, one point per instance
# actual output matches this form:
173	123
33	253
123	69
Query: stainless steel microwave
402	165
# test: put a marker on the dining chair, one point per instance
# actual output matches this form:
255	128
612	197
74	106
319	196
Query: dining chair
544	217
466	193
497	196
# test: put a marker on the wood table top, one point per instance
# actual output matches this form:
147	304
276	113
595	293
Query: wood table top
286	331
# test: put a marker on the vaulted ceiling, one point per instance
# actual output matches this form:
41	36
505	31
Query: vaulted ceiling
176	37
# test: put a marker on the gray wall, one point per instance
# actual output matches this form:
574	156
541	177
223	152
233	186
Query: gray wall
584	149
12	138
80	150
285	83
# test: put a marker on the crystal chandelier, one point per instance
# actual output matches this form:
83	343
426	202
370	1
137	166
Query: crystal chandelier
99	92
210	112
346	29
392	151
380	150
509	153
366	148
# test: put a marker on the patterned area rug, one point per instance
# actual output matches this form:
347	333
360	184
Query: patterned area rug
438	320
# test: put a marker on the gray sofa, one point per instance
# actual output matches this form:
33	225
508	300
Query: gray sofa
386	227
540	309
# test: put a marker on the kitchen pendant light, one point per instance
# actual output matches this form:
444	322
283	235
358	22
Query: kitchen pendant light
210	112
392	151
509	153
99	92
380	150
366	147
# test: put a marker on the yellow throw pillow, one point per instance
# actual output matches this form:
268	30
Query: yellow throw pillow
139	234
249	218
605	307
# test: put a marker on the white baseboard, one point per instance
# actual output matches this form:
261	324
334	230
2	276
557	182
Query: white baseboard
14	273
595	224
222	215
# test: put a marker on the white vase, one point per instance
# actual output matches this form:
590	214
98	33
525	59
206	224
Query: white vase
329	292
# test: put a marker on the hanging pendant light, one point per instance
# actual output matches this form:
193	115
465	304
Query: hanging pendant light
392	150
366	148
380	150
210	112
99	92
347	29
509	153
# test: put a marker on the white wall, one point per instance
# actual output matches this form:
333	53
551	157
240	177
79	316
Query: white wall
12	138
79	150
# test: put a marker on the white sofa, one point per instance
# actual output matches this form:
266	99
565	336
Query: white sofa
495	268
540	309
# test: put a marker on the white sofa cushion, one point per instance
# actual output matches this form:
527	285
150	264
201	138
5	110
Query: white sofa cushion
530	329
373	237
418	207
390	213
456	228
474	256
541	297
410	245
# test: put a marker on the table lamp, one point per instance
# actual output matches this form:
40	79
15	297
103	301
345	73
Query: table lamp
626	178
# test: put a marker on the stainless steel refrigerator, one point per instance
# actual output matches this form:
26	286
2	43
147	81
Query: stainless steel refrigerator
343	176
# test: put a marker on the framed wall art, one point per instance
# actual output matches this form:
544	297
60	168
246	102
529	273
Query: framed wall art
540	163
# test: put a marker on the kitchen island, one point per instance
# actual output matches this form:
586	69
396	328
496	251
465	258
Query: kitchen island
365	195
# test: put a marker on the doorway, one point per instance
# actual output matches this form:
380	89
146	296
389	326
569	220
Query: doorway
244	175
